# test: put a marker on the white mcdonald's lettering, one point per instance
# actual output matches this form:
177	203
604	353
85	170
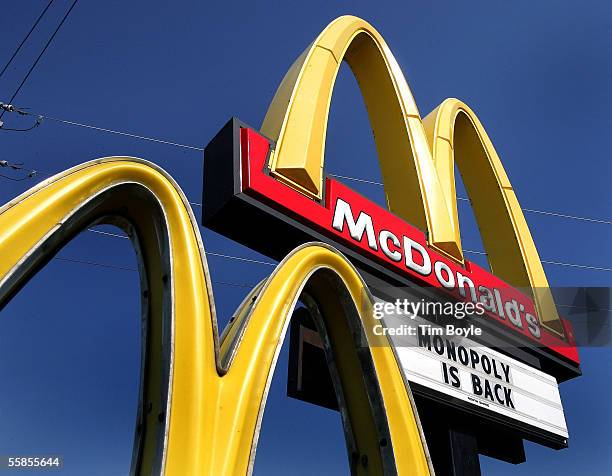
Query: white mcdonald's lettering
396	246
364	223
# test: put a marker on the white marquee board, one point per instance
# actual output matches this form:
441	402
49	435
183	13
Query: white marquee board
479	376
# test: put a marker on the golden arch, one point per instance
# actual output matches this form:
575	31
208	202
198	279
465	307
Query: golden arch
202	397
416	157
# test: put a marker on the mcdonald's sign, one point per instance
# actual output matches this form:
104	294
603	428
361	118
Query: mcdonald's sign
202	392
273	179
267	189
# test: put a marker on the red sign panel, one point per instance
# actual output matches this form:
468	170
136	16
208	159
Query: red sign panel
378	235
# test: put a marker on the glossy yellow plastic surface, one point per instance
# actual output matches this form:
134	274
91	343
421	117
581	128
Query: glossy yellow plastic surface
214	410
457	136
416	157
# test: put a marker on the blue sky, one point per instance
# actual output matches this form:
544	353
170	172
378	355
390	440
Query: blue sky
538	74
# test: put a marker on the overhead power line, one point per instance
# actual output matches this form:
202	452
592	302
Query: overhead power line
125	268
12	129
251	286
244	285
572	265
94	263
267	263
8	63
127	134
529	210
571	217
201	149
239	258
556	263
208	253
29	172
49	41
152	139
10	108
25	112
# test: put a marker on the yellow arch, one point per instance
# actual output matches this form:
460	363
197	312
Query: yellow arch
297	120
417	170
457	136
202	400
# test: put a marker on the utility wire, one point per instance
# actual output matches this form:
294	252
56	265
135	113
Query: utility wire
15	179
10	108
27	129
571	217
239	258
208	253
49	41
474	252
560	215
556	263
94	263
124	268
201	149
251	286
106	233
127	134
529	210
24	112
8	165
354	179
582	266
25	38
267	263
